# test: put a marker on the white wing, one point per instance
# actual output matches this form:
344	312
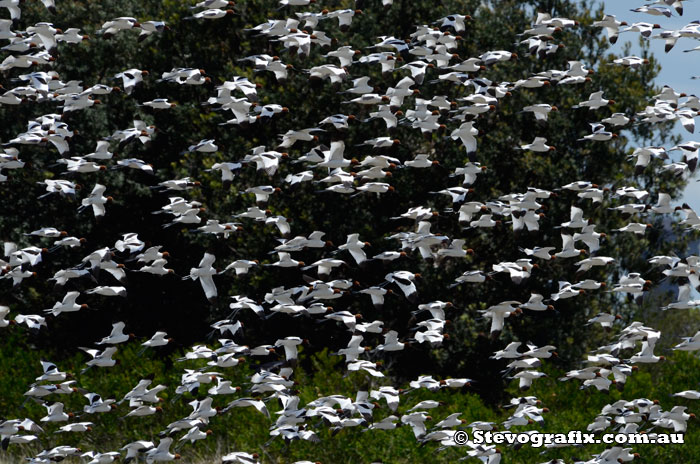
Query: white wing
207	260
208	285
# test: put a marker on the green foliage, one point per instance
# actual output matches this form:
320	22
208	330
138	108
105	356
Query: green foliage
245	429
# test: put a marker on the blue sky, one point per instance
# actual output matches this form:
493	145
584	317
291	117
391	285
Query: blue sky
677	67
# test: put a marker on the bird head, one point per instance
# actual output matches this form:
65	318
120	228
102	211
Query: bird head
177	456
